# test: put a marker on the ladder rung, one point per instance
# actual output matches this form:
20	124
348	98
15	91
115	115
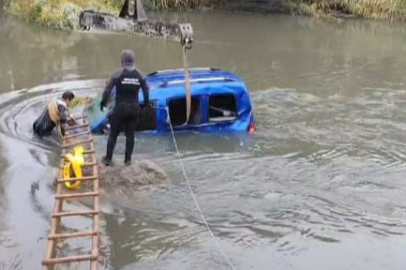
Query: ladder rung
86	152
72	235
79	258
76	135
76	195
75	127
87	164
75	213
76	143
85	178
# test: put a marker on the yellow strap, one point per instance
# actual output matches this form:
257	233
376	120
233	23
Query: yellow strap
187	85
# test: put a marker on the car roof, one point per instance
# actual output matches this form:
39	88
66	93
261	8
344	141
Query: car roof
167	78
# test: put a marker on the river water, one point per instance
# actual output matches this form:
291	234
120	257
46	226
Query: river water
319	186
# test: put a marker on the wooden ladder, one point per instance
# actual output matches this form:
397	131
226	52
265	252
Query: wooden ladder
78	135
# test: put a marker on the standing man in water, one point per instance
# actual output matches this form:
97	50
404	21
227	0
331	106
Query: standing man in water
55	114
128	81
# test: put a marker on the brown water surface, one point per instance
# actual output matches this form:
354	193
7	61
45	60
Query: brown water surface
321	185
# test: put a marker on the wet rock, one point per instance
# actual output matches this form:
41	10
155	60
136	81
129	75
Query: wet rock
122	179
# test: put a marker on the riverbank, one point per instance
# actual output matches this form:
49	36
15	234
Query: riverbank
64	14
365	9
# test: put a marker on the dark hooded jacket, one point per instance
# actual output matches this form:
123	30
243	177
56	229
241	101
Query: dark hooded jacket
128	81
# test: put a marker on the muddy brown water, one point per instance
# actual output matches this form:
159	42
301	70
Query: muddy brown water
321	185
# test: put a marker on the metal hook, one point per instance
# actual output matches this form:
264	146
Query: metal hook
186	35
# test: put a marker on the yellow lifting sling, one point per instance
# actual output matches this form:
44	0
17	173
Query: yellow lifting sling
75	163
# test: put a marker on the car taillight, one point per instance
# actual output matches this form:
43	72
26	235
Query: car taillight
251	128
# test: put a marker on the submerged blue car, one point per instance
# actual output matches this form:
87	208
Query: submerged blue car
220	102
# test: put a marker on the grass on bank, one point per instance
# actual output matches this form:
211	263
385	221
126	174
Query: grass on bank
60	14
169	4
368	9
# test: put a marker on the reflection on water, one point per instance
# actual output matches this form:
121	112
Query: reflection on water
319	186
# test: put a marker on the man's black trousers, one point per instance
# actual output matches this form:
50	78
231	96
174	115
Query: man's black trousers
124	118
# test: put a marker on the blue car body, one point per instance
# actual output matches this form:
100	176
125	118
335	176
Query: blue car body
220	102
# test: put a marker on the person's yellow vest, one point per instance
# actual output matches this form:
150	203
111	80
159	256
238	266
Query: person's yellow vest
53	111
55	116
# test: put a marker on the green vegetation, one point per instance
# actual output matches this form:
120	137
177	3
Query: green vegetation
60	14
369	9
64	14
168	4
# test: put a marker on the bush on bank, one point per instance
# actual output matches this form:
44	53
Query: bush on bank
368	9
60	14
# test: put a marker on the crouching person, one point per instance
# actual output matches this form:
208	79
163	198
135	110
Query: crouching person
54	115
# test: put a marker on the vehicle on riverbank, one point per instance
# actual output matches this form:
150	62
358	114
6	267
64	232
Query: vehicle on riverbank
220	101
